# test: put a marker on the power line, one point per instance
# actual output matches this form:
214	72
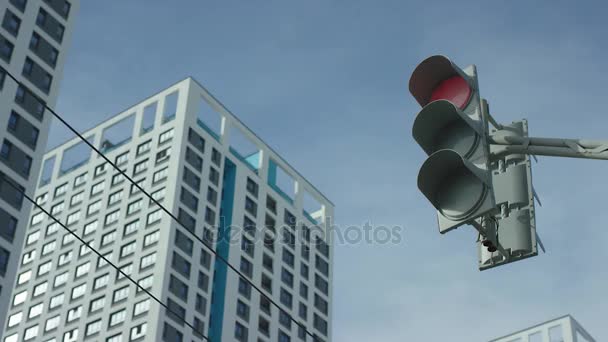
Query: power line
151	198
82	242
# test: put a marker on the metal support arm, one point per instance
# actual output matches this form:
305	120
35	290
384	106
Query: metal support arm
571	148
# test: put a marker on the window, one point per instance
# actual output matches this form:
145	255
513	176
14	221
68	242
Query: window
97	188
77	199
252	187
100	170
144	147
194	160
216	157
135	206
149	117
181	265
30	333
178	288
154	217
246	267
57	208
32	238
120	294
158	195
141	307
211	195
72	218
108	238
11	23
240	332
56	301
138	331
271	204
140	167
320	324
40	289
79	291
160	175
135	189
37	218
196	140
321	265
321	304
147	261
83	269
151	238
52	323
283	337
200	304
183	242
65	258
52	229
112	217
117	318
6	52
117	179
126	269
146	283
42	198
209	216
48	248
286	298
242	310
170	107
244	288
28	257
121	159
163	155
90	227
128	249
321	284
288	257
80	180
61	279
284	319
44	268
264	326
214	176
115	197
251	206
189	199
24	277
166	136
131	227
287	277
100	282
92	328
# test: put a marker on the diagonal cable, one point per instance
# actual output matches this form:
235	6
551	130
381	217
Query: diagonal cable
168	212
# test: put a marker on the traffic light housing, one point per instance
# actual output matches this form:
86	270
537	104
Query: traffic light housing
465	178
450	128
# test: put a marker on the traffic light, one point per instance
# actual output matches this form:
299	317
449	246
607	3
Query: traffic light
450	128
465	178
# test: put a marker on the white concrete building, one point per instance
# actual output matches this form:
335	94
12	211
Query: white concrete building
226	186
34	39
563	329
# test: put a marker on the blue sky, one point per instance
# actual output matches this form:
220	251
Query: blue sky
325	83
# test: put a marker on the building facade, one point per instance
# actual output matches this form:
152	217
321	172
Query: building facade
226	186
34	38
563	329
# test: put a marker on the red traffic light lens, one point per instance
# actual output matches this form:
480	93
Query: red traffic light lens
454	89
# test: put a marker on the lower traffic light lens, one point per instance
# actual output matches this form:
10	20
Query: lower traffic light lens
460	194
492	249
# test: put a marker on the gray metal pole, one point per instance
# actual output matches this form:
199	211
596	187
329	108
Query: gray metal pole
571	148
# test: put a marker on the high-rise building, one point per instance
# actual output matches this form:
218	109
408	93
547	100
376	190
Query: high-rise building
225	185
562	329
34	40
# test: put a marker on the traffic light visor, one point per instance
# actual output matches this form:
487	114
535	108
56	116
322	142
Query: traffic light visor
452	185
438	78
440	125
